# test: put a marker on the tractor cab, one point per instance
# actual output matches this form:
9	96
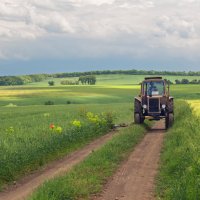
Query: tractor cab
153	87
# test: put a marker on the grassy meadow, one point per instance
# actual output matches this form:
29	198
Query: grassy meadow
116	79
109	89
31	137
179	176
195	105
32	133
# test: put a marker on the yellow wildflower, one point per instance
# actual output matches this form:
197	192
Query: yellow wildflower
58	129
76	123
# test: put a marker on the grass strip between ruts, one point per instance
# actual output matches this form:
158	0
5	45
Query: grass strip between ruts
179	176
89	176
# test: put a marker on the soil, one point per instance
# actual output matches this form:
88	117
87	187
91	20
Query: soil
23	188
135	179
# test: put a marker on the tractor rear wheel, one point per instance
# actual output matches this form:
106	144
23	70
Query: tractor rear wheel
138	116
169	120
138	119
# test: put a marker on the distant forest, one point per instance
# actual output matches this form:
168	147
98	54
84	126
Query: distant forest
129	72
24	79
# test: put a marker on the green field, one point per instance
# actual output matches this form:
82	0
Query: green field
179	176
109	89
117	79
195	105
27	141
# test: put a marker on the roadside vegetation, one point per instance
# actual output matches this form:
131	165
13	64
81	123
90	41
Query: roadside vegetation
88	177
179	176
31	138
195	104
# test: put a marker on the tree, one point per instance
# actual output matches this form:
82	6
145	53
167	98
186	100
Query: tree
88	79
195	81
82	79
69	82
169	82
177	81
184	81
51	83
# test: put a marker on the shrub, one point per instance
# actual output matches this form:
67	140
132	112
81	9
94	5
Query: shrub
68	102
184	81
69	82
49	103
51	83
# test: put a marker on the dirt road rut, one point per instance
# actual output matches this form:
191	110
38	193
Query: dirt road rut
135	179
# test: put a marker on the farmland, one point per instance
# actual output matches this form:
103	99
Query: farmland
109	89
31	138
116	79
33	134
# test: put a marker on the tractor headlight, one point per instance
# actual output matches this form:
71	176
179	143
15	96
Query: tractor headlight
163	106
145	106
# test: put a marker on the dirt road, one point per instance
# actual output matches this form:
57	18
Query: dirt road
25	187
135	178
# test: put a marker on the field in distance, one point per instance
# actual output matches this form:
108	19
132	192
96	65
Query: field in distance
118	79
108	90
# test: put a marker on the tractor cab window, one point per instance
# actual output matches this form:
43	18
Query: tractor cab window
154	88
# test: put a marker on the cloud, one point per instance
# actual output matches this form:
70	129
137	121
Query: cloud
73	29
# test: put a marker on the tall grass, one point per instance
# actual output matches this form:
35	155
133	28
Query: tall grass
179	177
31	139
195	104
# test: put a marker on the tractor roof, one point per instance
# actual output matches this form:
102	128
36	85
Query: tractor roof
153	78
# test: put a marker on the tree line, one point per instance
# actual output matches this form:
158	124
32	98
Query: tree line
129	72
21	80
186	81
89	79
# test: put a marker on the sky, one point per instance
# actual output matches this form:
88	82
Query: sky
48	36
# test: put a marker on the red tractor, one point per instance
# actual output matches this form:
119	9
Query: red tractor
154	102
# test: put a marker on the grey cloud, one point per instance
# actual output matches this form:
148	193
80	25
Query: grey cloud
176	26
98	28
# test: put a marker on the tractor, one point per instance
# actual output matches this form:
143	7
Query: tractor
154	102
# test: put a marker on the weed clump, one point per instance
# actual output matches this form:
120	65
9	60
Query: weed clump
68	102
49	103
